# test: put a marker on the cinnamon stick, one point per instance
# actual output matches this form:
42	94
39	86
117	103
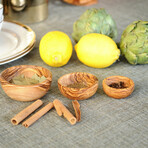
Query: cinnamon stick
76	107
26	112
60	108
37	115
57	105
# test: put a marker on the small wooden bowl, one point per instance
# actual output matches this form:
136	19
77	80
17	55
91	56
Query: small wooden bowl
81	2
118	87
25	92
78	85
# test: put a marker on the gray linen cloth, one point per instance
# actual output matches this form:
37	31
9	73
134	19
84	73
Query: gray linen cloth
106	122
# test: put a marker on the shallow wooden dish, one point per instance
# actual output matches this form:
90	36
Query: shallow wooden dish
81	2
25	92
118	93
78	85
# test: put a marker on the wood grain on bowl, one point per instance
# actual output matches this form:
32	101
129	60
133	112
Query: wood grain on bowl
25	92
118	87
78	85
81	2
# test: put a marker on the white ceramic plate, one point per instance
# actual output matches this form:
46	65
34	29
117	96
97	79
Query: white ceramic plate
16	40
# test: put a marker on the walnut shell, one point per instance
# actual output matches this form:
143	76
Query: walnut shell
78	85
119	92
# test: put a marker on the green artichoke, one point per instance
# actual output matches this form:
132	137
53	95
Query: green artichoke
94	21
134	43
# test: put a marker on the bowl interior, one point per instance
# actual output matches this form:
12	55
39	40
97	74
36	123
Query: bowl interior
26	70
78	80
118	82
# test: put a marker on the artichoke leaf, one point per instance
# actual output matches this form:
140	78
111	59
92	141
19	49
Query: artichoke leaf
131	57
94	21
143	58
134	42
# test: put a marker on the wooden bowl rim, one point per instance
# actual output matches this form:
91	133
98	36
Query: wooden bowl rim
49	78
96	82
127	88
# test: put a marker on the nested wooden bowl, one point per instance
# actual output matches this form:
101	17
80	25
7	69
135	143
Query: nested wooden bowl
78	85
118	87
25	92
81	2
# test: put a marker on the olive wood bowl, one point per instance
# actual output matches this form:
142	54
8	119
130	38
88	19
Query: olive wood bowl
118	87
78	85
25	92
81	2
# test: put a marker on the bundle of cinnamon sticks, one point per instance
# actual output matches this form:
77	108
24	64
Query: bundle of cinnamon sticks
81	2
57	104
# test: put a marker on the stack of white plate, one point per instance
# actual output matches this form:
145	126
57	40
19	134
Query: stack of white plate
1	15
16	39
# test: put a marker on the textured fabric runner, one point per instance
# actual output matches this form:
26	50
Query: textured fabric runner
106	122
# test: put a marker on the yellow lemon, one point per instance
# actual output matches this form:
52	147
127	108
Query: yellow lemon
97	50
55	48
